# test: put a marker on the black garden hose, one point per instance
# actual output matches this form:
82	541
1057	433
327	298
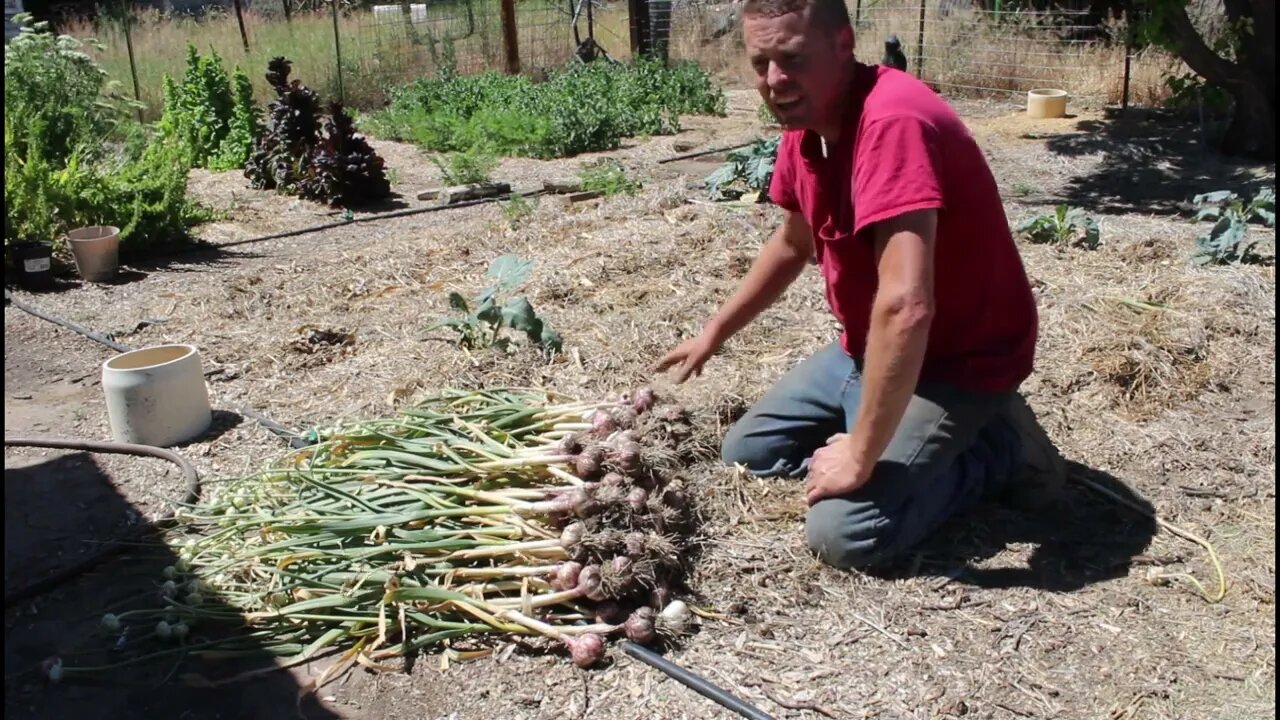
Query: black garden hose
8	297
191	477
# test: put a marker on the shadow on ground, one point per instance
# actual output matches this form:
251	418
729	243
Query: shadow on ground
56	512
138	266
1153	162
1083	539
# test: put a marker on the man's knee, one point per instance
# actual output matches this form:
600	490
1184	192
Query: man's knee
851	535
737	448
761	453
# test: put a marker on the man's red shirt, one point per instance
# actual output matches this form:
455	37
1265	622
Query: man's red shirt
905	149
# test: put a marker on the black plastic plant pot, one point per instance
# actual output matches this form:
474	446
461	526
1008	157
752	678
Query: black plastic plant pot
33	263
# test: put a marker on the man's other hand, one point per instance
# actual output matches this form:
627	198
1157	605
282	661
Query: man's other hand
834	471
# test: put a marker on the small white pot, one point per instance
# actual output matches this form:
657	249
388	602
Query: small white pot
156	395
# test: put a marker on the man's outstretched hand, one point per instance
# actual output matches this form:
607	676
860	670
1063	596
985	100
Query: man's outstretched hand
688	357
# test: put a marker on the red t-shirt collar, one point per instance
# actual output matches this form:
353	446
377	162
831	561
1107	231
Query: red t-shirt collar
864	77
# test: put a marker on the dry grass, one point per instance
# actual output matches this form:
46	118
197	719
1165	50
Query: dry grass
378	52
1007	616
963	55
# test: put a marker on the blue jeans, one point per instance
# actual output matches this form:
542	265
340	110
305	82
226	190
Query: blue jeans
948	452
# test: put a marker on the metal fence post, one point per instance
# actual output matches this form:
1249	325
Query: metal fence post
1131	31
920	43
857	13
126	16
510	39
337	50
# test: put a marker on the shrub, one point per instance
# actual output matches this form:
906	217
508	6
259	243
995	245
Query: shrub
58	96
72	159
210	115
303	154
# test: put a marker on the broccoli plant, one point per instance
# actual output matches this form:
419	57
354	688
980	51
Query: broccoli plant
1228	241
490	312
752	166
1065	226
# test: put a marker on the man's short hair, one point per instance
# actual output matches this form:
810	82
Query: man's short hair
833	14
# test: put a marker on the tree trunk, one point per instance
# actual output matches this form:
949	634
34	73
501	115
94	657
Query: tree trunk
1252	131
1251	79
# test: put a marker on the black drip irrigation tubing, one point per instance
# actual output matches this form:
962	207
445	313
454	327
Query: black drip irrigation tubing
693	681
702	153
190	476
391	214
31	310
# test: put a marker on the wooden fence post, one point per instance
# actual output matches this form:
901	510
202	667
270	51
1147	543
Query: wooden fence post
510	38
640	28
244	36
126	17
920	43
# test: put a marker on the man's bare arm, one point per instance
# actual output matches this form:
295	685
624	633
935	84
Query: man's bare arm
899	331
779	263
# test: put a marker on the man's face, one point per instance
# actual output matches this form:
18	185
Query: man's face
798	67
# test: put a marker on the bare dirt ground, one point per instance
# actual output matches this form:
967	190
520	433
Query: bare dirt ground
1155	377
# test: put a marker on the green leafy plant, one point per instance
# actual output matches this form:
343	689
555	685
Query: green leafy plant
60	99
607	176
471	166
493	310
1065	226
1189	91
579	108
749	169
245	127
516	209
73	159
1228	241
210	114
766	116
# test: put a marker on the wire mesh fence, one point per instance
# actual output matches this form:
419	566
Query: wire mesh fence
360	50
957	46
962	48
384	45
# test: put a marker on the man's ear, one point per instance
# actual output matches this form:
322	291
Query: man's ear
845	41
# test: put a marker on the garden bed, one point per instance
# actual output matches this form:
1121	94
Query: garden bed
1002	615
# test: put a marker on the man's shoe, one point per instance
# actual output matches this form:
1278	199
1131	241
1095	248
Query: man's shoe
1042	474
